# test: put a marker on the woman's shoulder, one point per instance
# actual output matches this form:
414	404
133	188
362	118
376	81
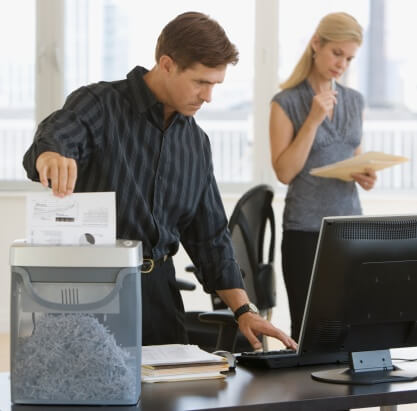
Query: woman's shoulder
351	94
289	94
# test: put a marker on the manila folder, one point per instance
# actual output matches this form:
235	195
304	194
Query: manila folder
358	164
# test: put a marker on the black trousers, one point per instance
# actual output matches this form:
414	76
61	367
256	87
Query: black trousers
162	307
297	250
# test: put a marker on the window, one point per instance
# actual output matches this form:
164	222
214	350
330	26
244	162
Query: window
17	86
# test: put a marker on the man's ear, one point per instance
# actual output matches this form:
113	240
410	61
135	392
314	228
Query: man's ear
166	63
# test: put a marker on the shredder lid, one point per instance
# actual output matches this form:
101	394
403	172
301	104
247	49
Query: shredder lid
124	253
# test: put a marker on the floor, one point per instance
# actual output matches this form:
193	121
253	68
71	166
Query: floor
5	366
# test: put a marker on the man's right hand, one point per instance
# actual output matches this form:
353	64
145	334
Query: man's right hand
60	170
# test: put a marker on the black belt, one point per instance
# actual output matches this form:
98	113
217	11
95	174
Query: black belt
149	264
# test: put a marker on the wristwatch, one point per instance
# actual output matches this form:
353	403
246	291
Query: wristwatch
246	308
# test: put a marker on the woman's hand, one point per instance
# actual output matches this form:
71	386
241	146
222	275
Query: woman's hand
322	106
366	180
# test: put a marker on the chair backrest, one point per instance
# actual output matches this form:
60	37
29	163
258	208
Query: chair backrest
248	224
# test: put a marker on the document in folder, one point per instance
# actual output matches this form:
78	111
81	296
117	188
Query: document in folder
358	164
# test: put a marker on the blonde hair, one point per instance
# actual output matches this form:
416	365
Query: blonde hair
332	27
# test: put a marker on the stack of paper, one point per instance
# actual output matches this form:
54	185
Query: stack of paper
177	362
372	160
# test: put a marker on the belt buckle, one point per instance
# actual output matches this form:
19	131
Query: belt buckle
151	266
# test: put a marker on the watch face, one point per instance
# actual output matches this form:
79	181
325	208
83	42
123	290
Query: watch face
253	308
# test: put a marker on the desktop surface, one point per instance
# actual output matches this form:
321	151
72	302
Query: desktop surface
250	389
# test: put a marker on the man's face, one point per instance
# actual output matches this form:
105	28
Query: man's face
188	89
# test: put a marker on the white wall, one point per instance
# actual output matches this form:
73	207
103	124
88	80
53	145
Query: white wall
12	223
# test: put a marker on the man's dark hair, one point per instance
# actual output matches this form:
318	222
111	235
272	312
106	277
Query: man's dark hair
194	37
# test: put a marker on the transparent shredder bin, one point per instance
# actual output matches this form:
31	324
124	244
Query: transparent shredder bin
76	319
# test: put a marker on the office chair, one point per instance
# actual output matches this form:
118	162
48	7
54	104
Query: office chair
248	224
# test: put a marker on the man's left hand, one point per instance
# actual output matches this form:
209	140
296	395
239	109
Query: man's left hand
252	325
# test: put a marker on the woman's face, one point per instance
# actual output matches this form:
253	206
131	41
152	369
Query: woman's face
333	58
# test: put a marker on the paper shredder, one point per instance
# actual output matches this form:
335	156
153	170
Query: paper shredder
76	323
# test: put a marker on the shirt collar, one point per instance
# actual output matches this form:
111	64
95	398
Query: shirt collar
143	96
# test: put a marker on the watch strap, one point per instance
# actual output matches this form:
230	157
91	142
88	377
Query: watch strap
245	308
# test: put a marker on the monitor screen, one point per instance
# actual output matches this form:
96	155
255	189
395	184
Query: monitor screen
362	296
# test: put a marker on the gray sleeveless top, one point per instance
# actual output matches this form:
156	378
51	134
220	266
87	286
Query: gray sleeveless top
310	198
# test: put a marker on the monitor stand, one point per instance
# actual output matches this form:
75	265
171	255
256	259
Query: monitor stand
366	367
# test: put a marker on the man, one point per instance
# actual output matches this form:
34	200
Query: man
137	137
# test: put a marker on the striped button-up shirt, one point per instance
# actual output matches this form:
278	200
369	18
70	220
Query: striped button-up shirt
163	178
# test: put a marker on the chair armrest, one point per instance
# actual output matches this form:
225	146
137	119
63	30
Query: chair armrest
227	326
225	317
190	268
185	285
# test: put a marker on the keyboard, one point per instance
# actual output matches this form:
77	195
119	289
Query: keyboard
289	358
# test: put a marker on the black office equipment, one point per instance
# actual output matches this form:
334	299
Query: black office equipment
361	301
362	296
289	358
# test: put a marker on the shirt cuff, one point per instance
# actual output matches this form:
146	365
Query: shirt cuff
225	277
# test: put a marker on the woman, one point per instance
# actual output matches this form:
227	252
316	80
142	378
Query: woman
315	121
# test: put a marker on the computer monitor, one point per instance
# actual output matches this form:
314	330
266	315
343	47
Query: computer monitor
363	296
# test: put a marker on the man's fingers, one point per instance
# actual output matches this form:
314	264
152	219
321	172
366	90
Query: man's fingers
72	176
43	175
67	175
60	170
284	338
253	340
54	177
62	178
287	341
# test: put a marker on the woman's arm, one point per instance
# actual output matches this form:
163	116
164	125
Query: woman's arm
289	153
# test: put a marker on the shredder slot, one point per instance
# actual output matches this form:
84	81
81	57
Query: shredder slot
71	294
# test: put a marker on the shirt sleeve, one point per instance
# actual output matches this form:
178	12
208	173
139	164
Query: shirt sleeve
72	131
208	243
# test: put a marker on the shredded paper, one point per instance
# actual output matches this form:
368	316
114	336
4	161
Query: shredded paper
72	357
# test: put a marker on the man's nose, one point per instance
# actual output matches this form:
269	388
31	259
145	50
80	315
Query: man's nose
206	93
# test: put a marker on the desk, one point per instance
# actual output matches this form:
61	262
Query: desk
247	389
